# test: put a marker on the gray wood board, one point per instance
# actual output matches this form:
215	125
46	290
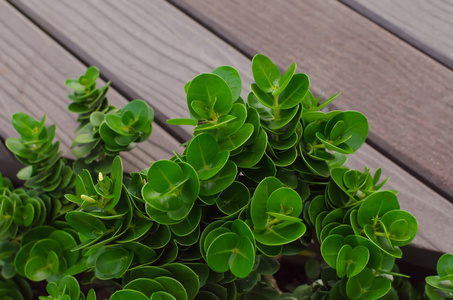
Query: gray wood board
427	25
105	40
406	95
33	68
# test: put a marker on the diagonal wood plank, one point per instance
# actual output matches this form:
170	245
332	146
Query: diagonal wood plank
152	57
32	72
427	25
121	37
406	95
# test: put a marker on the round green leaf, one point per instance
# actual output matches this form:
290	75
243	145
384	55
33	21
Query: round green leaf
212	90
204	156
258	206
233	198
295	91
280	234
285	201
237	139
351	261
112	262
356	125
252	153
37	269
220	181
376	205
402	226
164	175
265	73
173	287
445	265
330	248
232	78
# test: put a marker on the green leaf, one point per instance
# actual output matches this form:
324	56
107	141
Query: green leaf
356	125
281	233
265	73
294	92
376	205
189	224
220	181
252	153
147	286
37	269
237	139
285	201
258	205
264	98
233	198
351	261
161	295
402	226
164	176
232	78
442	283
445	265
85	224
173	287
285	79
27	126
182	121
330	248
186	276
204	155
210	89
328	101
112	263
231	252
238	111
382	241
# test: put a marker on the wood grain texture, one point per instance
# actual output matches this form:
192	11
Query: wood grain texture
406	95
148	49
103	32
427	25
32	72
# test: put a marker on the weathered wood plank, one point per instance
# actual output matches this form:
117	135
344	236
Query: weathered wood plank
427	25
33	68
108	44
154	68
406	95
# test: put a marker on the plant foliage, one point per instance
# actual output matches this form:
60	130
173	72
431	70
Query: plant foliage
262	177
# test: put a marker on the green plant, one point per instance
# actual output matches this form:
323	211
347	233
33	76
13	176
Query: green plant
260	179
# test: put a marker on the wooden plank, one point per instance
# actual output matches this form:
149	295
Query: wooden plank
427	25
406	95
154	68
104	43
33	68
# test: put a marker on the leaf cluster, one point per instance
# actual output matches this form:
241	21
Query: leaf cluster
262	177
104	130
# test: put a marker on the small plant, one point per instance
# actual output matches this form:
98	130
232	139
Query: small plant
260	179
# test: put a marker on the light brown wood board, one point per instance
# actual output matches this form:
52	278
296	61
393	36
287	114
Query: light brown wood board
427	25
